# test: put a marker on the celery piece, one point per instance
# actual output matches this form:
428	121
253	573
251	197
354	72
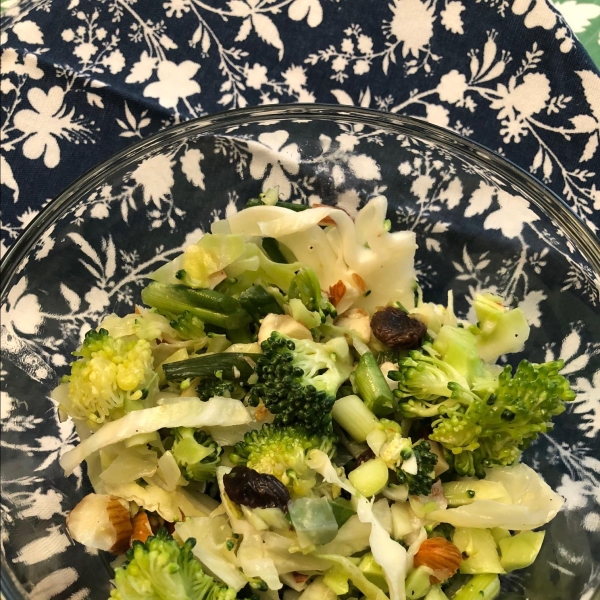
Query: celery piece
337	580
480	547
370	477
499	534
418	583
436	593
521	550
354	417
373	572
479	587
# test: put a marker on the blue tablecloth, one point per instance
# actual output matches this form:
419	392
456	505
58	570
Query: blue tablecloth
82	79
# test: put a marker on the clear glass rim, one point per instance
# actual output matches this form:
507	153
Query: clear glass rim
576	231
574	228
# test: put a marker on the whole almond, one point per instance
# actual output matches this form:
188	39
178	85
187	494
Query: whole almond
101	521
440	555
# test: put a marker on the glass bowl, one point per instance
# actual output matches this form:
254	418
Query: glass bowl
481	223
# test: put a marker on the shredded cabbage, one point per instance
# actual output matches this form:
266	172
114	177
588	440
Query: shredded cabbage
190	412
211	535
370	590
171	506
361	254
534	503
388	554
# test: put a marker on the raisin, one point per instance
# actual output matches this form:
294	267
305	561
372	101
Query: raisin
397	330
255	490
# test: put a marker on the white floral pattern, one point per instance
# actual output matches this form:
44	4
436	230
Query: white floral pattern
125	69
433	191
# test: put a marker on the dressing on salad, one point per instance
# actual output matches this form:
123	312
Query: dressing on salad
286	417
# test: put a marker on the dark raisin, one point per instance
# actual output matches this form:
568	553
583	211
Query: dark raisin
255	490
397	330
367	455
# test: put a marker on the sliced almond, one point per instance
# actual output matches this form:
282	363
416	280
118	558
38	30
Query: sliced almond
440	555
141	528
359	282
101	521
336	292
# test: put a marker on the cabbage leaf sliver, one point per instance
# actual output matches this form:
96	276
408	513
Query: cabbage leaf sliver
188	412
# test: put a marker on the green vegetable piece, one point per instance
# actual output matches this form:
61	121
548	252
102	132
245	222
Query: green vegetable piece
188	326
354	417
273	250
458	348
372	386
500	330
305	286
258	303
288	205
419	484
209	306
417	583
479	549
313	520
459	493
521	550
436	593
373	572
336	579
196	453
479	587
160	568
499	534
229	365
370	477
342	510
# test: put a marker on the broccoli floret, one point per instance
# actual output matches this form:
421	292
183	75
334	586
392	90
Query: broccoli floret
189	326
298	379
306	287
196	453
495	429
422	376
419	483
209	387
413	463
281	452
109	378
160	568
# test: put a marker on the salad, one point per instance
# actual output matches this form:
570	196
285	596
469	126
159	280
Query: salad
286	417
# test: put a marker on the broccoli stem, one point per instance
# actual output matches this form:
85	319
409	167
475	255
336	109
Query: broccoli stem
372	386
354	417
226	365
210	306
258	303
273	251
479	587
